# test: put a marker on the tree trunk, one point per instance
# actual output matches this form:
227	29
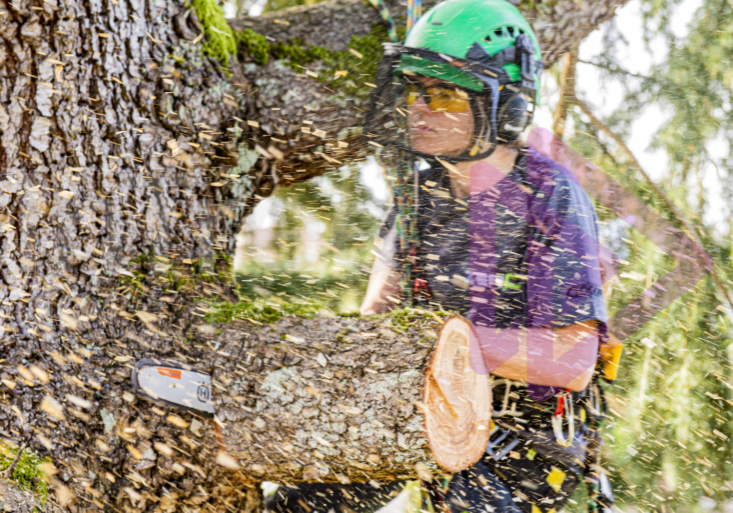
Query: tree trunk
21	501
127	161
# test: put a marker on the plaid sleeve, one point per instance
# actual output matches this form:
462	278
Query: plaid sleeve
566	243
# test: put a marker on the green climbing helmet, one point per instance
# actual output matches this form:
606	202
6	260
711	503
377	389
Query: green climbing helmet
484	47
492	32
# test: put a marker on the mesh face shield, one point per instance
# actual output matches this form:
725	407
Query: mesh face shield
417	89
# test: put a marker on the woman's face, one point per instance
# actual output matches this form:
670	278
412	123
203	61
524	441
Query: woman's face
446	130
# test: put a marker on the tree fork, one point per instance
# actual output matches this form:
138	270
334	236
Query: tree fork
128	157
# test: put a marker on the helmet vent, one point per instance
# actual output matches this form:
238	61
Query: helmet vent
511	31
498	32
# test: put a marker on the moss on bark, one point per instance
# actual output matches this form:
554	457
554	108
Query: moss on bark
360	58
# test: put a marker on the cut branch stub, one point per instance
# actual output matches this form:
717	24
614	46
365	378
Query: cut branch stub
457	398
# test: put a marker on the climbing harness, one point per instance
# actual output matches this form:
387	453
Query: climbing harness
501	442
505	410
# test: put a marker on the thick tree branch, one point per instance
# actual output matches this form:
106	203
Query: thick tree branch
559	25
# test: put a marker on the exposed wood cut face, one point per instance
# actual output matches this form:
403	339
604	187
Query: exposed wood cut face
457	398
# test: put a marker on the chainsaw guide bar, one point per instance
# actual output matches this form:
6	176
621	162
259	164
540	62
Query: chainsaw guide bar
175	385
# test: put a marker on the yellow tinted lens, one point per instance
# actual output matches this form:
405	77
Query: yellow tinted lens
447	100
412	94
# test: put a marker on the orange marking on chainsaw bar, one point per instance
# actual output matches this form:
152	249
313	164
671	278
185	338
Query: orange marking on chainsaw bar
169	373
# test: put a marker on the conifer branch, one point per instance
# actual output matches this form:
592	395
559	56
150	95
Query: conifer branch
567	92
600	125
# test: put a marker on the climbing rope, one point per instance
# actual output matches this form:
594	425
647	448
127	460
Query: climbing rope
386	17
406	224
414	11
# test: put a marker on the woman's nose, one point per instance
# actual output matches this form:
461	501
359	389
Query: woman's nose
421	104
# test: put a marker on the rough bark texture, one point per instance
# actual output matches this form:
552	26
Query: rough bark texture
127	160
299	400
18	501
339	400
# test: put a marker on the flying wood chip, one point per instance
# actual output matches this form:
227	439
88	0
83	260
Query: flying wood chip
146	317
69	321
177	421
53	408
163	449
39	373
227	461
25	373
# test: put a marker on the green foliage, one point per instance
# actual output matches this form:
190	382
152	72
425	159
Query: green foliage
359	60
255	45
672	405
221	41
406	317
27	473
258	311
276	5
361	63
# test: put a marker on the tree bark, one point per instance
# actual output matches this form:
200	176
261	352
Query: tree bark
127	161
560	25
298	400
22	501
334	408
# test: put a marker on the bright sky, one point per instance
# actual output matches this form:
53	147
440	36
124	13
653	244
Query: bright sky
637	58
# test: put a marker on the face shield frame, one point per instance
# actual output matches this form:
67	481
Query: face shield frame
383	114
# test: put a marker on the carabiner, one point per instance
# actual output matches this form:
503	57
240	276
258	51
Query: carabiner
562	398
505	403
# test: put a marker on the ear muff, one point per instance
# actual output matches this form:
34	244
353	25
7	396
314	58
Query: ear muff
514	115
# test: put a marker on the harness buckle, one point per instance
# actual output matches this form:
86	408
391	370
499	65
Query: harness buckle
498	453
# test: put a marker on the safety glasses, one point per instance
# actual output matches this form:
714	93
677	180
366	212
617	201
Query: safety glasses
400	86
438	98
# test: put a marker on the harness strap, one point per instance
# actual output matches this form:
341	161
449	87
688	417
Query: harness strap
600	494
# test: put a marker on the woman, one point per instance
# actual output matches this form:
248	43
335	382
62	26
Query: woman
487	228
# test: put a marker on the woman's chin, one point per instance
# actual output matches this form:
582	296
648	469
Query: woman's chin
430	145
433	149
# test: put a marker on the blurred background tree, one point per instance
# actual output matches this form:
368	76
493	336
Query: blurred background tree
311	243
668	437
